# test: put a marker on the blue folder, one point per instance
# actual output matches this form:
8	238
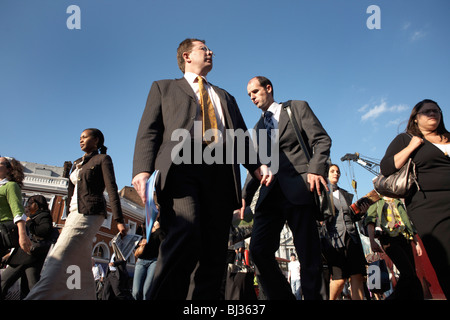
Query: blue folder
151	205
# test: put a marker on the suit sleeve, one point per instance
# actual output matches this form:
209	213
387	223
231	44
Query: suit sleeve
318	139
150	133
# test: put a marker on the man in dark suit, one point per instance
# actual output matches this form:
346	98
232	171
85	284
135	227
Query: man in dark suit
197	197
289	196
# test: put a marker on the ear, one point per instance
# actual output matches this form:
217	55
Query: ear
269	88
186	56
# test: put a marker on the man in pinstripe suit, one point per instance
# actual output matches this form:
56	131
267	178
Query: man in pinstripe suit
197	199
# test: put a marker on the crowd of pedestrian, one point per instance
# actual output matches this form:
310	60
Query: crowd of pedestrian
187	253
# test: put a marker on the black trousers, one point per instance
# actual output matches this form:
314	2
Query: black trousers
400	252
269	220
196	212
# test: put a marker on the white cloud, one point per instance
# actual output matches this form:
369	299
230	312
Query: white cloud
406	25
418	35
380	109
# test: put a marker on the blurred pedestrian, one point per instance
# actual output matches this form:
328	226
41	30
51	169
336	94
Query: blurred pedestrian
294	276
147	256
11	206
99	278
116	281
396	237
29	265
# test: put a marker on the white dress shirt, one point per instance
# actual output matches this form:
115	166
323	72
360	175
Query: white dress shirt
193	82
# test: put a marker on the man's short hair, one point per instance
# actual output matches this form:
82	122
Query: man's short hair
185	46
263	81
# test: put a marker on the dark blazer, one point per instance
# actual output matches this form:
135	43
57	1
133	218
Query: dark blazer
293	164
96	174
40	226
346	223
172	105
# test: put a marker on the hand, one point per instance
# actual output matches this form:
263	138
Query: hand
264	175
242	210
375	246
314	181
24	240
25	244
364	207
122	229
139	183
415	142
418	248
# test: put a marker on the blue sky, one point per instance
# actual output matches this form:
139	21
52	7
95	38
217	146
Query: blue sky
362	83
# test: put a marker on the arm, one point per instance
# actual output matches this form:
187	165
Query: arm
14	198
398	152
320	144
370	221
114	199
148	141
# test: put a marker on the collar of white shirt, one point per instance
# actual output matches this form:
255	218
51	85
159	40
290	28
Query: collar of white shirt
275	108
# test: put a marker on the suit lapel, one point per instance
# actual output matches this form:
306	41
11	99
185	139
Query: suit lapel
284	119
184	85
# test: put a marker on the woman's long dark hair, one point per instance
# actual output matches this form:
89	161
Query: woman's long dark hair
412	127
101	139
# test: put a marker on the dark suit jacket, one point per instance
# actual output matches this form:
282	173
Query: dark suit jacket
97	173
172	105
293	164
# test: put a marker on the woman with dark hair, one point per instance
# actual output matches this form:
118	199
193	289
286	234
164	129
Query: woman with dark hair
20	263
345	254
68	271
11	207
428	206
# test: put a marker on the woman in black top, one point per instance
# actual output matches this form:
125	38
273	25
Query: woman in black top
20	263
147	256
429	207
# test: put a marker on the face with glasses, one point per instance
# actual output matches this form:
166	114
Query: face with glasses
199	59
428	117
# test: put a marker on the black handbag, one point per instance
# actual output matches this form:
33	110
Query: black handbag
321	202
399	184
9	234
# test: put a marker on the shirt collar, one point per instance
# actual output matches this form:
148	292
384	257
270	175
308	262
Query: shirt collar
192	77
275	108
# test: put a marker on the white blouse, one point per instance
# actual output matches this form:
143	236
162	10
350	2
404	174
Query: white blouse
445	148
74	201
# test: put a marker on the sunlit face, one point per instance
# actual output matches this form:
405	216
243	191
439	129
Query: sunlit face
260	96
88	143
334	174
3	168
199	60
428	117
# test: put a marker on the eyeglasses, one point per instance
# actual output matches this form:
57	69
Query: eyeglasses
428	112
207	50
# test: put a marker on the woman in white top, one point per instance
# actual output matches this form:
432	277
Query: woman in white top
68	273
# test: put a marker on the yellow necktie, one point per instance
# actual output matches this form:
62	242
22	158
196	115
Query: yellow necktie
208	113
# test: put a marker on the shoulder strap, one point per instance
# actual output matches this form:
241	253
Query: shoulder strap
292	119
